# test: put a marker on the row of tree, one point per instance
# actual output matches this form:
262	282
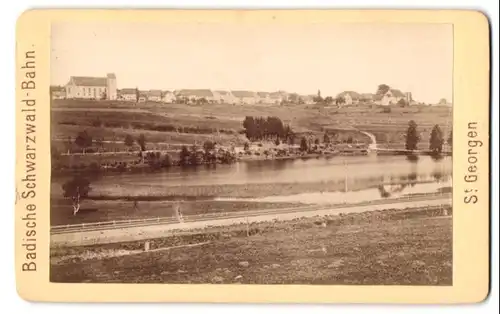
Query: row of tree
436	139
192	156
260	128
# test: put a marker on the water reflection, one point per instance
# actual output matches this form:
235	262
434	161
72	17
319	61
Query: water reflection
349	173
378	192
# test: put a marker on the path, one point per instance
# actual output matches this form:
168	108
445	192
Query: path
373	145
135	233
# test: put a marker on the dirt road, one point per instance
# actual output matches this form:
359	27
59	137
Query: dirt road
161	230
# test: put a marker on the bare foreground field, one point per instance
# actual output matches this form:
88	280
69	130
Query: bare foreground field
404	247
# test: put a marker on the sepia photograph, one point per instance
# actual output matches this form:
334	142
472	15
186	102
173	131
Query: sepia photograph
308	153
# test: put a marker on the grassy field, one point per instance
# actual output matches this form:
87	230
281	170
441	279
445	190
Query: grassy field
115	119
108	210
373	248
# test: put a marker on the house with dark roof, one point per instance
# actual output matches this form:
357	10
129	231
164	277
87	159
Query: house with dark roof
88	87
57	92
127	94
245	97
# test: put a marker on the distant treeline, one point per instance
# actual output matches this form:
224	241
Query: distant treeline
152	127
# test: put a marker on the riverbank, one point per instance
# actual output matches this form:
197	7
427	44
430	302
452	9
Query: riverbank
92	164
413	246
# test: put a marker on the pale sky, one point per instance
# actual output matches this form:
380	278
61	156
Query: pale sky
298	58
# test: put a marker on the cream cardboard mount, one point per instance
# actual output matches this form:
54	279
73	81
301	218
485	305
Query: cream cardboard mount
308	156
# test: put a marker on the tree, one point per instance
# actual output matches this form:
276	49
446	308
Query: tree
100	143
83	140
137	94
227	157
167	161
402	102
104	96
303	144
246	147
141	140
412	136
250	127
77	189
382	89
326	138
293	98
318	99
340	100
129	140
208	147
436	140
258	128
154	160
194	158
184	156
450	139
316	141
329	100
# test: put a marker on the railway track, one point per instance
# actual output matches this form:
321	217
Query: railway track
111	225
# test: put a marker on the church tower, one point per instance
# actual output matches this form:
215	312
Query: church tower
111	93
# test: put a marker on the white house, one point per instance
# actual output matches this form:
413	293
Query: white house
349	97
308	99
154	95
444	102
392	97
223	96
143	97
87	87
245	97
195	94
276	97
264	98
169	97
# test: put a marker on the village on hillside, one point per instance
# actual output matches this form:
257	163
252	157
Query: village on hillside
105	88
